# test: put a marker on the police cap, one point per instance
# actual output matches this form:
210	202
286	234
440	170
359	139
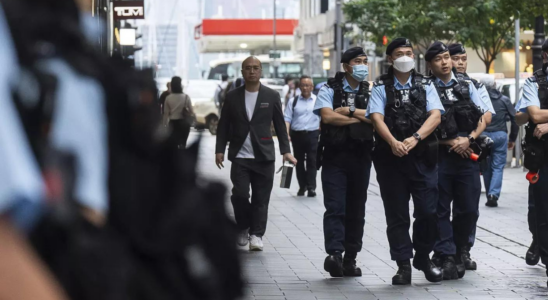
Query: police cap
398	43
435	49
456	49
352	53
545	46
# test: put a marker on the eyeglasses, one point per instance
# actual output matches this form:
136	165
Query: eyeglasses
254	68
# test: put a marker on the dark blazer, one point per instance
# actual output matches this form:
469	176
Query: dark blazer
234	124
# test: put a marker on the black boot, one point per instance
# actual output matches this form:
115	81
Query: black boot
461	269
349	266
311	193
448	268
469	264
403	276
431	272
333	264
436	259
532	257
301	191
492	201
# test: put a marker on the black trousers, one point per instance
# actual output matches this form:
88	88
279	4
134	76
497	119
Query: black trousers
260	176
399	179
531	214
181	130
540	196
345	179
305	147
458	183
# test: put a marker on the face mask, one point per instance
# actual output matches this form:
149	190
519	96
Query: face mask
404	64
359	72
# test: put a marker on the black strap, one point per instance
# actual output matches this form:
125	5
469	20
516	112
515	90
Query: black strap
295	102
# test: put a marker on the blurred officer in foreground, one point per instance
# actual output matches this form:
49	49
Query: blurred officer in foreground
345	152
534	102
405	109
458	176
498	132
303	128
245	122
460	62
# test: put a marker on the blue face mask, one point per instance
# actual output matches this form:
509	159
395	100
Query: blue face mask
359	72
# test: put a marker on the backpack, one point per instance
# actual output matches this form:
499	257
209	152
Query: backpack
165	237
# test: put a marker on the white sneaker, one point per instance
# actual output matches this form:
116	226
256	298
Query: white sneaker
243	237
255	243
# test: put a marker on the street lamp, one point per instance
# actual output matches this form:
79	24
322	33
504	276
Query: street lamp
537	42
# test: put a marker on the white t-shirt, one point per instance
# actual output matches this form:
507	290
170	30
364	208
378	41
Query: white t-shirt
247	148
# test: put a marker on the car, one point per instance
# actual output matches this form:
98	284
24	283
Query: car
206	110
508	88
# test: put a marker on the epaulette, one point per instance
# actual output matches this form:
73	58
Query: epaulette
379	82
532	79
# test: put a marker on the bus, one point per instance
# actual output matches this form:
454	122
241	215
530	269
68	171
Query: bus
289	66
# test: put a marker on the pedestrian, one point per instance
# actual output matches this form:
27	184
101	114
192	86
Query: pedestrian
498	132
285	88
163	97
460	62
534	102
459	182
405	158
347	140
303	128
178	112
245	122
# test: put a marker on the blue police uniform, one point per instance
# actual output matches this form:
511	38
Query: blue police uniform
411	175
538	207
459	182
345	179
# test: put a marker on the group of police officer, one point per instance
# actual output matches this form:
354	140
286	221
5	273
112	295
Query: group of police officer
424	136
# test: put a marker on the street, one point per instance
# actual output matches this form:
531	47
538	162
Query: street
291	266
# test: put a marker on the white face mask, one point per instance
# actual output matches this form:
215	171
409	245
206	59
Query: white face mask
404	64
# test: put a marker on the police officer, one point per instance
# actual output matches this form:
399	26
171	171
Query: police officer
534	102
405	109
458	175
532	256
460	62
346	142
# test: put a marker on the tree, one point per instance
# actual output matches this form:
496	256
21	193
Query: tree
376	18
485	26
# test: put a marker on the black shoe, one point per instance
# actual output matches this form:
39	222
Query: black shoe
311	193
533	254
301	191
424	264
469	264
436	259
403	276
448	268
492	201
333	264
461	269
350	269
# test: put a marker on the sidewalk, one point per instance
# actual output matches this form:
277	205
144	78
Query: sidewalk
291	265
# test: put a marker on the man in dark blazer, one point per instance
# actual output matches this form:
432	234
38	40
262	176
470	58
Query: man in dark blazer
245	122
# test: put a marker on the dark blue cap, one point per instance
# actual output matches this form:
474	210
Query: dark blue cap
435	49
456	49
398	43
352	53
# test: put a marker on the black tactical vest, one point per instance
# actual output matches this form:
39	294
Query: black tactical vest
405	110
461	113
341	136
536	150
540	79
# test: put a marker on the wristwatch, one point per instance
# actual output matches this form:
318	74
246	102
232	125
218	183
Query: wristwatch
417	136
352	109
471	139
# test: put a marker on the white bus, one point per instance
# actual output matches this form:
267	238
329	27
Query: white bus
288	66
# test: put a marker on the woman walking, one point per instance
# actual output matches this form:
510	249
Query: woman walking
178	112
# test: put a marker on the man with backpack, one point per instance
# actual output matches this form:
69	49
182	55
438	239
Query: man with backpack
303	128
